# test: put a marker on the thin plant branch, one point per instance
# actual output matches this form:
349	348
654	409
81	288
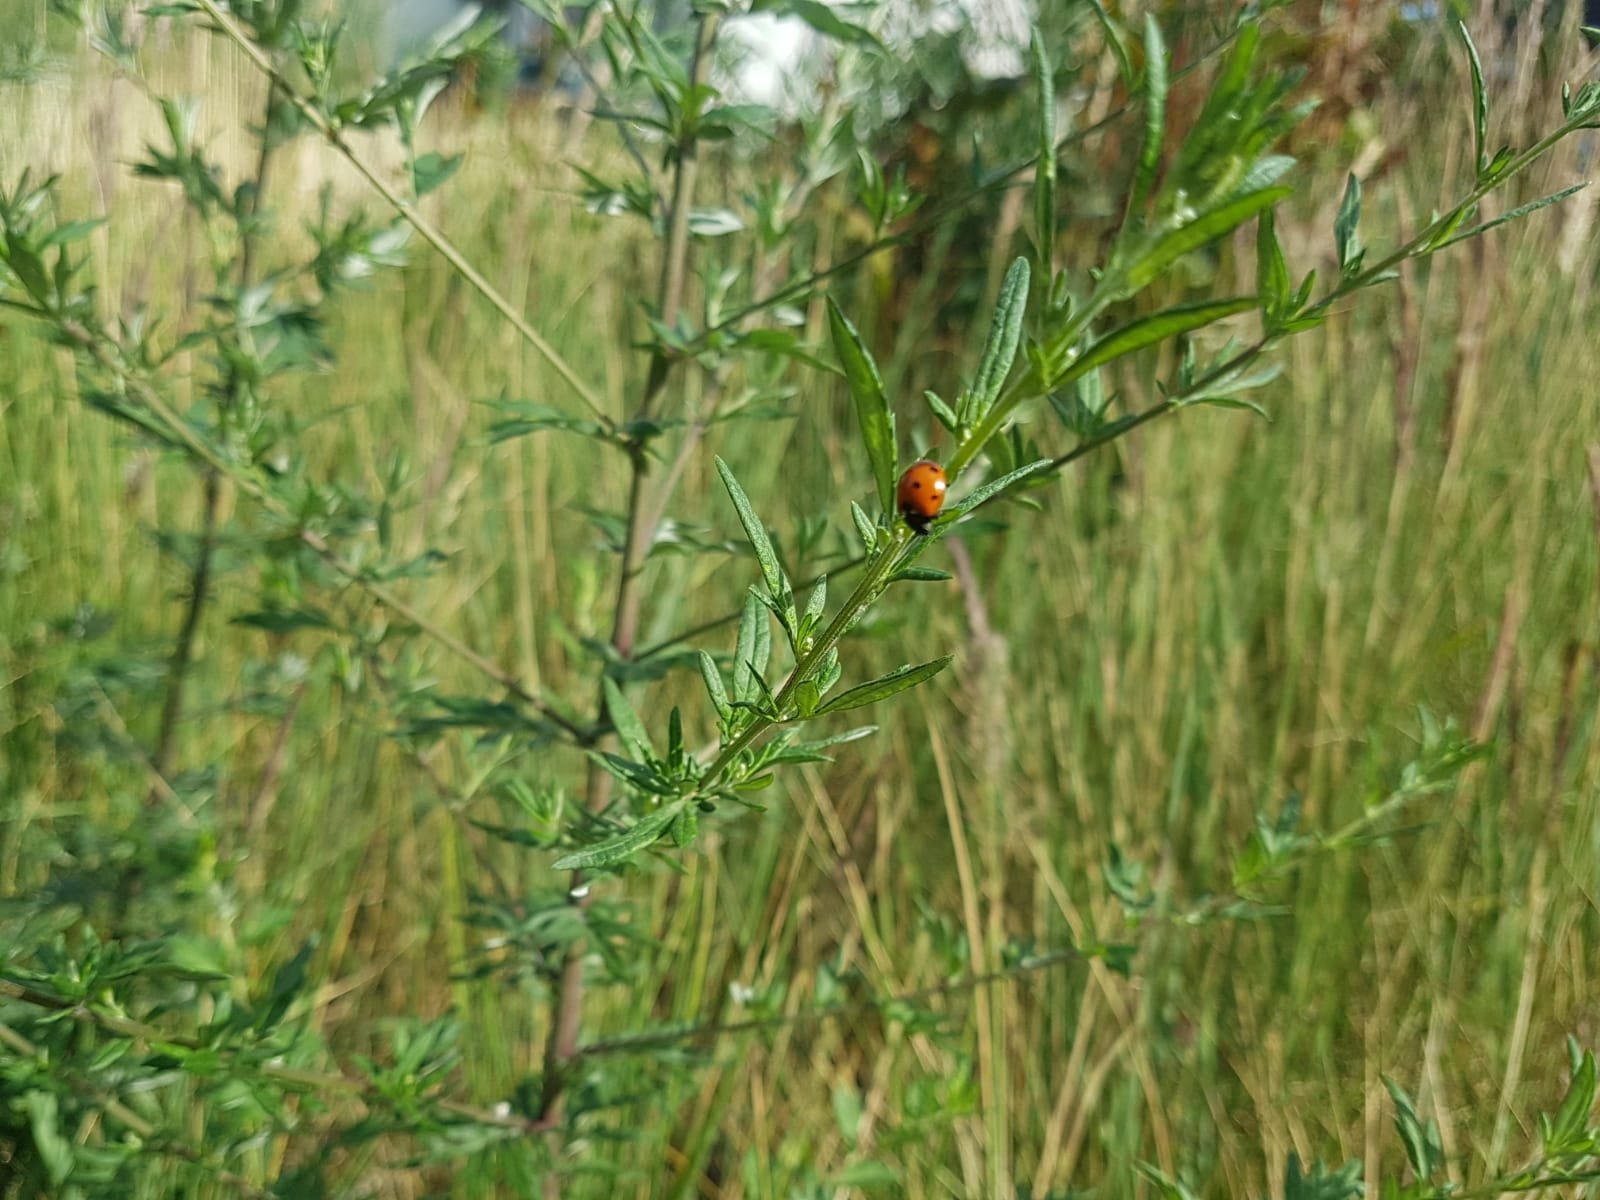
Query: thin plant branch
408	212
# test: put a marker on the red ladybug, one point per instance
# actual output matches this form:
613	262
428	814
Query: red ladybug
921	494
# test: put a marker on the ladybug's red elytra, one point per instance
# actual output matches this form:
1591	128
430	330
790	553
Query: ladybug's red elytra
921	494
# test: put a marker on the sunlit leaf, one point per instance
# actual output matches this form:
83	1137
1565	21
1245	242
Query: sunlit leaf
641	835
885	686
872	406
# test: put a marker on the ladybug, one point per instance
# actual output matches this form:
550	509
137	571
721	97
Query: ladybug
921	494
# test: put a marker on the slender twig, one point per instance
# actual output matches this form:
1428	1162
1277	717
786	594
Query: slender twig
206	549
728	618
655	1039
408	212
629	142
194	608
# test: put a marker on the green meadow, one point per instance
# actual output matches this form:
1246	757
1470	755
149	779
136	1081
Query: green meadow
1219	628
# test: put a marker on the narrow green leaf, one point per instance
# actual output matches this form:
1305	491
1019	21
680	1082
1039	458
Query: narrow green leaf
1515	214
1319	1183
524	417
943	412
1225	401
884	686
70	231
1146	331
756	532
804	752
634	774
787	343
430	170
818	603
1044	178
865	529
872	406
1119	48
643	834
762	653
826	21
920	575
714	685
995	486
1000	350
1421	1139
1346	232
763	701
682	831
1264	172
630	730
1302	294
1480	99
1155	112
752	621
1168	1187
285	620
1272	269
1571	1121
28	267
866	1175
55	1149
1126	879
1201	231
1448	225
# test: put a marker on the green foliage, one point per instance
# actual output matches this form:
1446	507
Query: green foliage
872	405
163	1008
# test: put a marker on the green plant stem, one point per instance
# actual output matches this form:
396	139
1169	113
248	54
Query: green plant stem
676	260
408	212
200	579
1347	835
878	569
658	1038
728	618
183	651
561	1047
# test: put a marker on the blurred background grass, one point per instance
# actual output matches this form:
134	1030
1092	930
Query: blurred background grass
1216	614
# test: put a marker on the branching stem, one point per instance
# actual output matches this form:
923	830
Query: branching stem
205	550
643	518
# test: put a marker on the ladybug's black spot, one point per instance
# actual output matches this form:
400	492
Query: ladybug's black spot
917	484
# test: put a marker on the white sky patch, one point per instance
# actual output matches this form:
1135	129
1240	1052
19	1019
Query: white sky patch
780	58
771	52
